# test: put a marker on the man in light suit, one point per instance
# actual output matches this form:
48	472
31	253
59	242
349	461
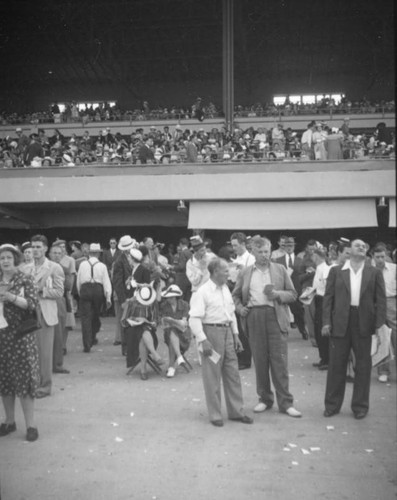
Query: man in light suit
261	295
293	264
354	307
49	279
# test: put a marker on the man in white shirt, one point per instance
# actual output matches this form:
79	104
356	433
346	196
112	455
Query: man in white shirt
196	267
214	325
307	142
243	259
319	282
354	307
93	284
389	275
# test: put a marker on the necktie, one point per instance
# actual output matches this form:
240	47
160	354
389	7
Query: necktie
290	265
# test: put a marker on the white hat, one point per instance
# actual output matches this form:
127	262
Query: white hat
126	243
178	126
335	130
67	158
36	162
172	291
136	254
95	247
18	129
145	294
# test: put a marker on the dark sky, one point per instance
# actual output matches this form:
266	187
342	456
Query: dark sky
86	43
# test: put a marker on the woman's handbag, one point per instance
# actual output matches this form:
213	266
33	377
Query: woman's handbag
30	324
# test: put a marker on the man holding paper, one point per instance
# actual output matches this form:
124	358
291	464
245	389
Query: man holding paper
213	322
261	295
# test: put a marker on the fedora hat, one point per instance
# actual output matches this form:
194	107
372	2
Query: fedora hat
126	243
172	291
145	294
95	247
196	242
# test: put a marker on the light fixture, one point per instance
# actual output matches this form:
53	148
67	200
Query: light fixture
382	202
181	207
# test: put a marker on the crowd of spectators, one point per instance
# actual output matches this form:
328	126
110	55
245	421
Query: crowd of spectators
176	145
72	113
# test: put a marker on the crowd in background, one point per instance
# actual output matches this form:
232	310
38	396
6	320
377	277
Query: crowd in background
107	112
177	145
148	287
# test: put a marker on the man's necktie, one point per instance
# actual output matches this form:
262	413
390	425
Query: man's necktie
290	265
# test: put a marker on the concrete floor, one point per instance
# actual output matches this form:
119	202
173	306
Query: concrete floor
104	435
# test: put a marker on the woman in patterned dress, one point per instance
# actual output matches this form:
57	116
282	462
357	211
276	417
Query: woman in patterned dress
19	357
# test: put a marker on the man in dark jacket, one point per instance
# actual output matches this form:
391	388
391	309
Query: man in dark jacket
354	307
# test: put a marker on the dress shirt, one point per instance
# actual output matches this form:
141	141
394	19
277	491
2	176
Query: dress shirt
290	260
307	137
211	304
320	278
389	275
197	272
276	254
112	251
259	280
99	272
245	260
355	283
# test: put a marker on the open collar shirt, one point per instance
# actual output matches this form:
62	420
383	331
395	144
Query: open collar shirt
211	304
355	283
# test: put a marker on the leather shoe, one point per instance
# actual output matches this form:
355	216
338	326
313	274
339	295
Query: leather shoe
32	434
330	413
323	367
7	429
144	376
116	342
316	365
41	394
360	414
244	367
61	370
293	412
217	423
245	419
305	335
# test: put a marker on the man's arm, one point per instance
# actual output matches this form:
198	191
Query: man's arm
118	281
54	286
380	297
328	301
237	293
289	294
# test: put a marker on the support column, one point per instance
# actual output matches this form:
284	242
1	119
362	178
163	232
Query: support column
228	62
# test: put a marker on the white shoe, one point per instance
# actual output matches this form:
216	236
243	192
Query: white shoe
260	407
180	360
383	378
292	412
170	372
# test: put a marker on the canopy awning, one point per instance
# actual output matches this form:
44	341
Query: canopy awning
312	214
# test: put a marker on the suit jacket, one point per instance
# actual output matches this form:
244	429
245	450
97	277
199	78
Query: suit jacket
372	306
50	283
108	259
282	284
296	273
122	271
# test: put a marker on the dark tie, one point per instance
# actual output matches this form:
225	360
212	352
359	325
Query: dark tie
290	265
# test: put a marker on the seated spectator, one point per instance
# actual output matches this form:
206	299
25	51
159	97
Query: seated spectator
177	335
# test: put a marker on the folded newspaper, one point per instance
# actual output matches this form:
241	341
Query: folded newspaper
381	348
307	295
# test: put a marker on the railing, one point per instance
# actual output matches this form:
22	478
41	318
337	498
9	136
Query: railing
136	116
